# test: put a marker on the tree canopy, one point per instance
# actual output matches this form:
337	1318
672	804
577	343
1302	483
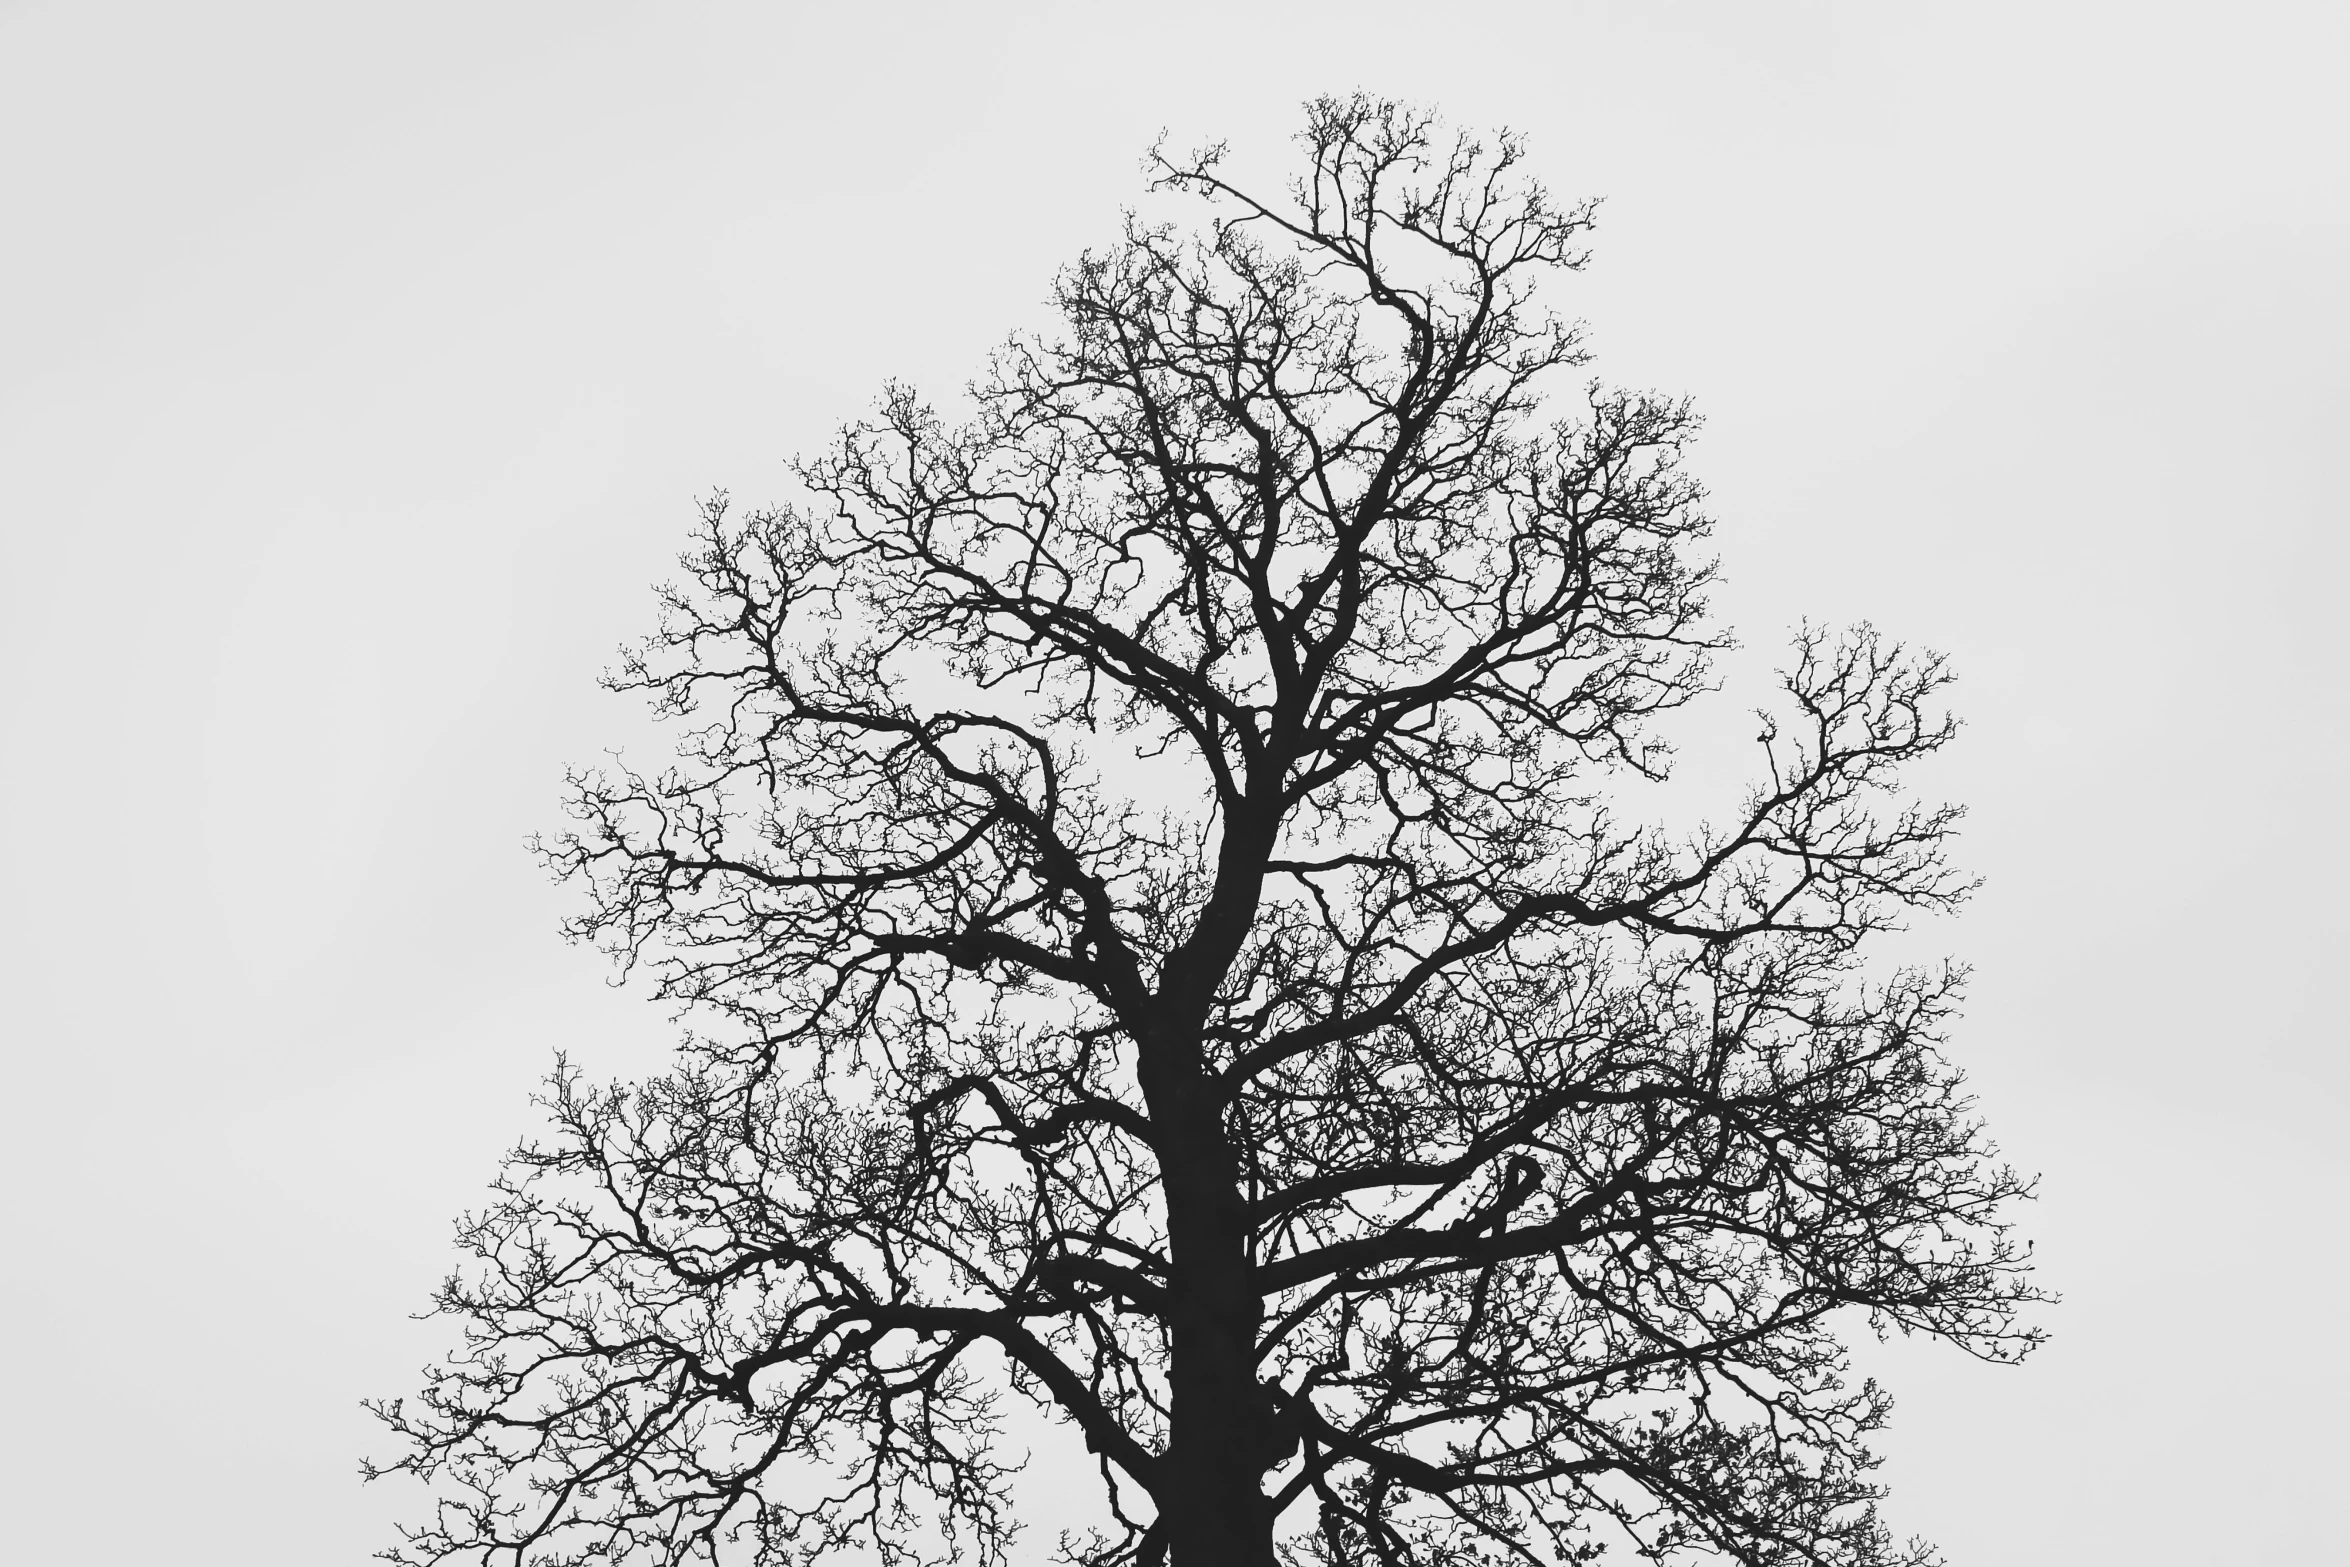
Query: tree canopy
1158	862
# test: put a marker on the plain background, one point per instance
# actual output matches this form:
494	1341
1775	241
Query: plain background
359	367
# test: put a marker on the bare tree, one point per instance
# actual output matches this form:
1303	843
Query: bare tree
1157	865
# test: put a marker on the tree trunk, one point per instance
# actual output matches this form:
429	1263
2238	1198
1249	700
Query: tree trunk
1224	1436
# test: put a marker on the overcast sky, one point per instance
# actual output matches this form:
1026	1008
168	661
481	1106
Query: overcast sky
360	365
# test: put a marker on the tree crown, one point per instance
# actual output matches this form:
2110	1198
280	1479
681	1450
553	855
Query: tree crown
1158	845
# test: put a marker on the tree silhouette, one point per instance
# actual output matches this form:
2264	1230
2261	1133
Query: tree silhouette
1157	865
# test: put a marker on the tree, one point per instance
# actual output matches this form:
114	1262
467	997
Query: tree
1156	862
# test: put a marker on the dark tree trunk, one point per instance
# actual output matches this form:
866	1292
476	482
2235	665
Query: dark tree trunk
1223	1438
1221	1443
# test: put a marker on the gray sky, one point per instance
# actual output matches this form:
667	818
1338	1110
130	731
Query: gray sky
359	366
